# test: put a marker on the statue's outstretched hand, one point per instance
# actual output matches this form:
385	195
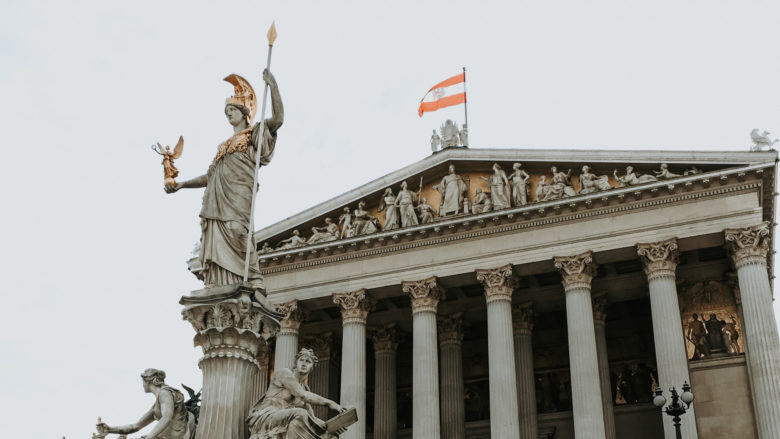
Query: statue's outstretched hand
171	188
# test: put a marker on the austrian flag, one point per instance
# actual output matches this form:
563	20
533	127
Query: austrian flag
444	94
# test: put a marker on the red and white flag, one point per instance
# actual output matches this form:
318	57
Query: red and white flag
444	94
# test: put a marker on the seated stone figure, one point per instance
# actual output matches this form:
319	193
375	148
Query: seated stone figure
174	421
285	412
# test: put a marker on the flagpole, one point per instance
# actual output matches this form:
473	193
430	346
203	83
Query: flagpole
465	99
250	239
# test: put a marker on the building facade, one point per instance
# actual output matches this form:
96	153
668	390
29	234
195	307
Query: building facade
537	294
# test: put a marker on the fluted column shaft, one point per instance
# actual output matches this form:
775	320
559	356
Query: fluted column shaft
425	297
660	262
354	311
522	324
287	338
599	318
385	407
749	248
577	272
453	411
263	361
499	284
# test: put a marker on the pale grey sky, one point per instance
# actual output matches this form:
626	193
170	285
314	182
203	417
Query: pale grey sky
94	252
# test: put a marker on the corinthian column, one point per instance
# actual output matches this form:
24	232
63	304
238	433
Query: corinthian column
425	296
354	311
749	248
228	324
319	377
577	272
287	339
660	262
385	410
453	412
599	319
522	324
499	284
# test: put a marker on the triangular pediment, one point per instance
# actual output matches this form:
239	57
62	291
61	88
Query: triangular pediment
546	193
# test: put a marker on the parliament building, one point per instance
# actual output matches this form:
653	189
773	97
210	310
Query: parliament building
516	293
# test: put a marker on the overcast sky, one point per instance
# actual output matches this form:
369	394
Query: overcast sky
93	252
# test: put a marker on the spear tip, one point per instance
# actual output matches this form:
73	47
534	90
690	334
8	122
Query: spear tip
272	34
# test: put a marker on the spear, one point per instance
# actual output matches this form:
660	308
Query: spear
250	235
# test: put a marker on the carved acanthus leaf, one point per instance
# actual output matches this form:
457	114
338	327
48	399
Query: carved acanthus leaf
577	271
451	328
659	258
498	282
293	316
523	318
386	338
354	306
600	308
749	245
424	294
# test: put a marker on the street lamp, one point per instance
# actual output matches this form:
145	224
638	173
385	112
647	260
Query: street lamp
675	408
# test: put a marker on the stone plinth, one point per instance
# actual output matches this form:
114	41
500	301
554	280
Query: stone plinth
232	326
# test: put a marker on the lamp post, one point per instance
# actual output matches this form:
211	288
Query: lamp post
677	407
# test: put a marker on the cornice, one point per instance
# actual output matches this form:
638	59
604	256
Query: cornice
537	215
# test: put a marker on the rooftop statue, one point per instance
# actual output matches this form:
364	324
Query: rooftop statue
464	136
405	202
387	202
449	134
293	241
426	211
558	187
632	178
435	141
169	171
362	222
452	189
590	183
174	420
329	232
499	188
229	182
664	173
285	411
761	141
519	179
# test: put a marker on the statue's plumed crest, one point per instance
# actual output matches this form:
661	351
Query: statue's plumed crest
244	95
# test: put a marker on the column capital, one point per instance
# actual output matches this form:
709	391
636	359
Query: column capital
659	259
498	282
425	294
577	271
600	308
749	245
385	339
354	306
320	344
523	318
451	329
293	316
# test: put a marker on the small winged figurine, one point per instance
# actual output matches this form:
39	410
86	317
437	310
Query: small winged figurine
168	157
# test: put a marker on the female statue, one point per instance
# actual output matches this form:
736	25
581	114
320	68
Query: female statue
227	199
519	180
363	223
391	216
329	232
559	186
345	224
499	188
173	419
452	189
285	412
593	183
633	179
405	202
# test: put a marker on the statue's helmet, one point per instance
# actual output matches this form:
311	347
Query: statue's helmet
244	95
